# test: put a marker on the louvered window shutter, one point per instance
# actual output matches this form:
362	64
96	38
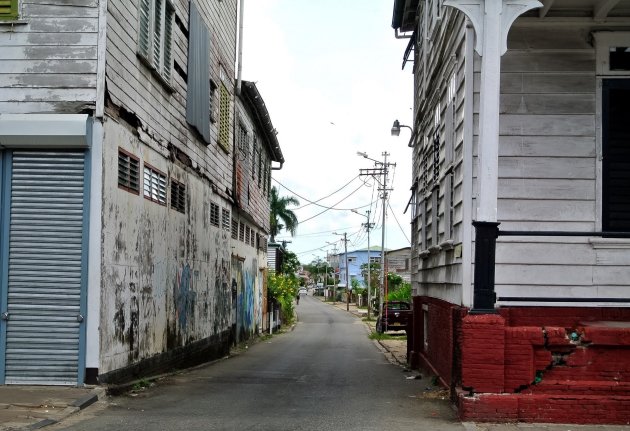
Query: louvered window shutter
8	9
168	36
157	33
145	28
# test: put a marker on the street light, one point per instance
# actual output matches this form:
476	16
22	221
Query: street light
396	131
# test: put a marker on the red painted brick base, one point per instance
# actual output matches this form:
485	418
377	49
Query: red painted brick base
528	364
545	408
578	373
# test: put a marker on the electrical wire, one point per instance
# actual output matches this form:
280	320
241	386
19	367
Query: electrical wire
326	210
318	200
399	226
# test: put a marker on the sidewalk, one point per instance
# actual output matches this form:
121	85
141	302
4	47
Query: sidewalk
34	407
396	352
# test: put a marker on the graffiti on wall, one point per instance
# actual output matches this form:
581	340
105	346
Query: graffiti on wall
185	298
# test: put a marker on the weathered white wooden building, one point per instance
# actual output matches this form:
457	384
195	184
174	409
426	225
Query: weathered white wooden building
520	142
128	244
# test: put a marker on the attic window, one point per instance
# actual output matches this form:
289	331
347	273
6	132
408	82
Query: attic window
619	58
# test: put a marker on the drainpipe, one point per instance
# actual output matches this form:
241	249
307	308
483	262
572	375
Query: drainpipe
240	48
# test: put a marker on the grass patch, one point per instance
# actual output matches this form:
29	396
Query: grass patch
377	336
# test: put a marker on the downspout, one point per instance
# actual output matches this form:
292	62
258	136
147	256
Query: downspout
239	69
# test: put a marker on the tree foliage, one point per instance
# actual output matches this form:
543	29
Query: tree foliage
281	216
283	288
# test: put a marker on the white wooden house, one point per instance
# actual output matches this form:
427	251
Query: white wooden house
519	126
117	126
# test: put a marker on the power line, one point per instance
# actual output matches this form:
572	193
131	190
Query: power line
326	210
315	202
397	222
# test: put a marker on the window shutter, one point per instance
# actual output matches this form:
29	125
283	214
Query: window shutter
168	36
224	119
145	28
198	92
157	33
8	9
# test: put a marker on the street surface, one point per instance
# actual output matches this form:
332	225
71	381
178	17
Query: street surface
324	375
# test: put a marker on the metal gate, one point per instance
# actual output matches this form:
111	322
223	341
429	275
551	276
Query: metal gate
43	267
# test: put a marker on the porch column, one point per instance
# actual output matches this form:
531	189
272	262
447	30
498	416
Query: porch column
491	20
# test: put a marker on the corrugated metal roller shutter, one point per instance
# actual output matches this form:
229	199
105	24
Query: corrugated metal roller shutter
45	250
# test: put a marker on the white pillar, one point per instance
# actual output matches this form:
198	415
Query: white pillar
492	20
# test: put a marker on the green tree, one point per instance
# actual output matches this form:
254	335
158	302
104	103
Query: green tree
290	263
280	212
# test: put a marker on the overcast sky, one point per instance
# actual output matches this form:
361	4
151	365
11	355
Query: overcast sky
330	74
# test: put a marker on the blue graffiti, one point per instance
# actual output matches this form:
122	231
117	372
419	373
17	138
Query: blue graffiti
247	302
185	297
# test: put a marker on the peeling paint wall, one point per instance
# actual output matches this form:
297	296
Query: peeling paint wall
49	61
166	275
248	281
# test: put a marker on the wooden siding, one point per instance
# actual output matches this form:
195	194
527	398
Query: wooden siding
437	272
48	60
548	168
254	200
548	172
162	109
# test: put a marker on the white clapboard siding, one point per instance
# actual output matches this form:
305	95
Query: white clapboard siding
49	64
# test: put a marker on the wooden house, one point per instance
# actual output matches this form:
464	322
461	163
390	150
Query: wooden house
520	204
125	248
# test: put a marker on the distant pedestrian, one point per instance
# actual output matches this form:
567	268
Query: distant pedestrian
297	298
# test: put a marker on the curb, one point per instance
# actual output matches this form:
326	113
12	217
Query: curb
76	406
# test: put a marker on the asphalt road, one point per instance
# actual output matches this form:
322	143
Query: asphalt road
324	375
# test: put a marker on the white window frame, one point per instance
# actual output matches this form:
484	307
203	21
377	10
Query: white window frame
156	18
604	40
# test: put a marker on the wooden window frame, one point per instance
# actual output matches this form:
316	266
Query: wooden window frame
161	175
130	157
178	196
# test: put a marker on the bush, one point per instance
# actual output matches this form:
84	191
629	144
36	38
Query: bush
283	288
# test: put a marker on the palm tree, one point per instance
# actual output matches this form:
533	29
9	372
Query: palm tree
281	212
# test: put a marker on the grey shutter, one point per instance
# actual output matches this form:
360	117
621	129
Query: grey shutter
45	268
198	93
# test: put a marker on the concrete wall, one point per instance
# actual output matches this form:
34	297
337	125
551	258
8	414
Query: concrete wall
166	278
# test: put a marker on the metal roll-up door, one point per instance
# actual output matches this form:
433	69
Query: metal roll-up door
45	268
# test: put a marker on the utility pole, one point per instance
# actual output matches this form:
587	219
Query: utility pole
368	227
376	172
345	244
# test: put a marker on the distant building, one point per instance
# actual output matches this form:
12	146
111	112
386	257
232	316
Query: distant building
399	263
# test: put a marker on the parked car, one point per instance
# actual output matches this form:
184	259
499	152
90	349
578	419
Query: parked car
394	316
